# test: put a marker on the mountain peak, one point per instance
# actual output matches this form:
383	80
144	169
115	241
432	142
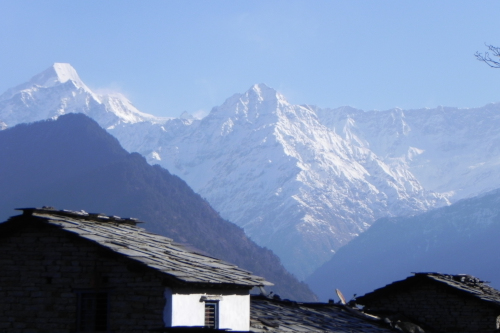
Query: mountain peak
263	92
186	115
65	72
259	99
262	87
56	74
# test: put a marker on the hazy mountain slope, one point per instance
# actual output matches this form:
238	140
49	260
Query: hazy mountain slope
72	163
449	150
271	167
461	238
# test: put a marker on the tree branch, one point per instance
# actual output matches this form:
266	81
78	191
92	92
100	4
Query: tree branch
486	57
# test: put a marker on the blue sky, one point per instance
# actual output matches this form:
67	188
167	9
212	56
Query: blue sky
171	56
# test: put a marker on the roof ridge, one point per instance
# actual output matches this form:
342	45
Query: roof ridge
96	217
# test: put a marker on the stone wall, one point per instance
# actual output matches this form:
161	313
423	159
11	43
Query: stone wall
42	270
440	308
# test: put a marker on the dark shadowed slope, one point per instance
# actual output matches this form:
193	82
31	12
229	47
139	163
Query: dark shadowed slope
72	163
461	238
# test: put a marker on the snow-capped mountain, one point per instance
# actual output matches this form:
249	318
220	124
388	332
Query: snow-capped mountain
59	90
293	184
300	180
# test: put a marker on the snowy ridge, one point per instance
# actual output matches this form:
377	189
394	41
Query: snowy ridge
449	150
59	90
126	111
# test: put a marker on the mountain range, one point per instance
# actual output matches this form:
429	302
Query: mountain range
72	163
300	180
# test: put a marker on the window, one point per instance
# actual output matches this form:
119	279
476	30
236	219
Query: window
92	312
212	314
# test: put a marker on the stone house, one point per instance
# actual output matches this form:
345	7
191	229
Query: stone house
438	302
66	271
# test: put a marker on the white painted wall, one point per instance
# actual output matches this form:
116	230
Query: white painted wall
234	312
184	307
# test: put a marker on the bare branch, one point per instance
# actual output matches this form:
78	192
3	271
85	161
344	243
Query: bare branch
486	57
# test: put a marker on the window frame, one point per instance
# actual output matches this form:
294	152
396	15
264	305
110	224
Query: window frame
215	305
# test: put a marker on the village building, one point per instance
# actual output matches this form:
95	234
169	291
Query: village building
438	302
66	271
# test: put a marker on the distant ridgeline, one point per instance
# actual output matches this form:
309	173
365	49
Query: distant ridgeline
461	238
73	163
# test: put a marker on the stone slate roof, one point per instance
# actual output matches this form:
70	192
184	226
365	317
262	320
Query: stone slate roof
274	315
462	283
160	253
